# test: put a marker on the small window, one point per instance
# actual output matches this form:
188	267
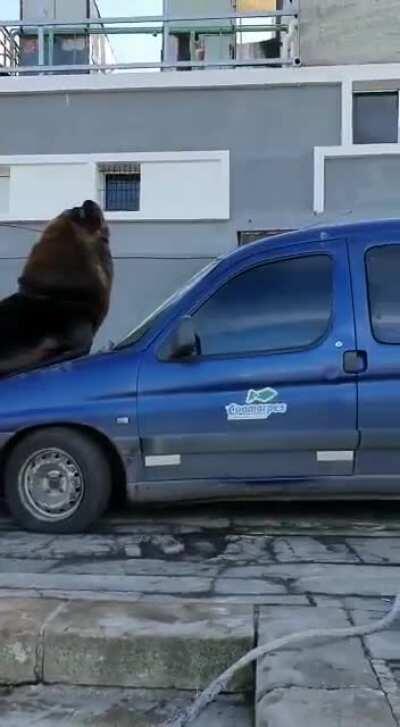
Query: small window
282	305
121	187
383	273
376	118
244	238
183	50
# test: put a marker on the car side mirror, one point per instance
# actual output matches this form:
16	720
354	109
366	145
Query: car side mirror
182	342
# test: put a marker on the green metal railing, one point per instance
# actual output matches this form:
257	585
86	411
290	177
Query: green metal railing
42	36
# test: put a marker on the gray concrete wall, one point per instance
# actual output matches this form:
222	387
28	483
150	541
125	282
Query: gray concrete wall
143	279
270	132
365	187
334	32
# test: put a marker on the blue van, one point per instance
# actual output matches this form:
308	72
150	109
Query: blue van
275	372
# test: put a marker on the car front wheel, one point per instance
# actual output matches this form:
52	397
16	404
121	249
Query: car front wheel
57	481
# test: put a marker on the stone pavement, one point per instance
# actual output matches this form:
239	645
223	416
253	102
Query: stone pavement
209	581
325	682
60	706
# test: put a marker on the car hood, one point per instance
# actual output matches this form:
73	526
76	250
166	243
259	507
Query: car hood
70	385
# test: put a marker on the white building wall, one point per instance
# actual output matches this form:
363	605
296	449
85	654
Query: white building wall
178	186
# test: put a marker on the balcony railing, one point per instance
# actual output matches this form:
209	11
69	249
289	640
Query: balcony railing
9	49
182	43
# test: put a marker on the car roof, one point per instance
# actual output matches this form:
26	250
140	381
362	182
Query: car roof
375	229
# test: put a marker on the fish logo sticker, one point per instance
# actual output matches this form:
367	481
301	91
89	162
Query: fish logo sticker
264	396
259	405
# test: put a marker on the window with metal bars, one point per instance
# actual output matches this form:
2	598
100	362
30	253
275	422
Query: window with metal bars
245	237
121	187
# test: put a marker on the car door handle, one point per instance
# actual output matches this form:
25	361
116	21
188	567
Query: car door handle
355	362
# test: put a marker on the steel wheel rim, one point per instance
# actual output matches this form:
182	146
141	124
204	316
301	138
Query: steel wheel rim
51	485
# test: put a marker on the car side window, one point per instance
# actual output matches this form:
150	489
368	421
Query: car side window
280	305
383	276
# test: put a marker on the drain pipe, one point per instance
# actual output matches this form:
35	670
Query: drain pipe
220	684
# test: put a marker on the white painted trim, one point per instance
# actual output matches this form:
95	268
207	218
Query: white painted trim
360	150
347	112
119	216
223	78
322	153
167	156
147	158
319	180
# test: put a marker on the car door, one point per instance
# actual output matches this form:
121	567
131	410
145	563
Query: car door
267	397
375	269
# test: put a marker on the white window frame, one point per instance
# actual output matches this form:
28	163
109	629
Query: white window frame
322	153
120	168
377	92
355	81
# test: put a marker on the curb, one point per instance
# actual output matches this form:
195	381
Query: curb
115	644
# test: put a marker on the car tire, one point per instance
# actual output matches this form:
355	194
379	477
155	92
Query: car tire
57	480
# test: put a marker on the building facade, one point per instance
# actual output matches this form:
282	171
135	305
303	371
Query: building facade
189	165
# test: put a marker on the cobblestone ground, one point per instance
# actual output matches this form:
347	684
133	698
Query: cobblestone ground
331	564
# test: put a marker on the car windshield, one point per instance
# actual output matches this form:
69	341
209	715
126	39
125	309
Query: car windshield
148	322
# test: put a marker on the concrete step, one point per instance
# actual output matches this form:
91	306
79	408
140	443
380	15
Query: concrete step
116	644
61	706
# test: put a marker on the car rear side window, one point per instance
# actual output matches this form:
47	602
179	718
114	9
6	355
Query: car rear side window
282	305
383	275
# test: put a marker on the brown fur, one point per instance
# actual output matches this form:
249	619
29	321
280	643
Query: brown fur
64	292
72	261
